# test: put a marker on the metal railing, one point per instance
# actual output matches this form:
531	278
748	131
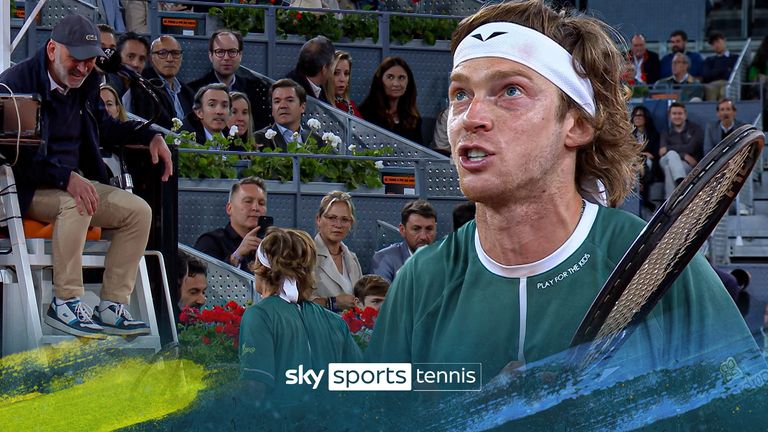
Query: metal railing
733	88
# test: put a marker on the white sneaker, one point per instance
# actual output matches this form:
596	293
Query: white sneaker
117	321
73	317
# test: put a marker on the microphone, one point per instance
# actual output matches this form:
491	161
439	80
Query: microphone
111	63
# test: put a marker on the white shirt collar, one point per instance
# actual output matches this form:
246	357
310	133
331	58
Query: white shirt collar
283	131
548	263
315	88
56	86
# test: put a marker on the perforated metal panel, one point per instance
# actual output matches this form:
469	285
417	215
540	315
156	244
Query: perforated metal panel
442	179
225	283
55	10
438	7
255	55
195	63
685	15
287	54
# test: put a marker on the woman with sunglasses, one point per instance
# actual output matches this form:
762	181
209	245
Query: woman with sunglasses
337	267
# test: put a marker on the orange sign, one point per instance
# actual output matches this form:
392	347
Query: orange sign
400	180
187	23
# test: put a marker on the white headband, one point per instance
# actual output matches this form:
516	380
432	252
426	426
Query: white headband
289	291
530	48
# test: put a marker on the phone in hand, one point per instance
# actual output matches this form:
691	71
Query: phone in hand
264	223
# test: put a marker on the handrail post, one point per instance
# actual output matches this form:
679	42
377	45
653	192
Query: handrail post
297	184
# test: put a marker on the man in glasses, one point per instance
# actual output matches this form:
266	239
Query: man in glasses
175	97
225	51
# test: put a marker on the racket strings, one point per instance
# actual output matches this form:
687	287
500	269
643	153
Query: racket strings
663	258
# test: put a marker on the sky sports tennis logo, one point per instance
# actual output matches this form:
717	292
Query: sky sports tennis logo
390	377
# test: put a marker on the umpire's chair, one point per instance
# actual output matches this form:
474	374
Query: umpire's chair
27	281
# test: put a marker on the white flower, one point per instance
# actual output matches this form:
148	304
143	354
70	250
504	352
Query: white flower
379	165
176	124
328	137
176	142
352	147
233	131
314	123
269	134
295	137
336	142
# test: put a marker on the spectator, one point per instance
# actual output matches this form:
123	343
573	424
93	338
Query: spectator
646	62
645	132
681	147
285	329
689	87
108	38
337	268
242	119
108	44
678	40
370	291
192	281
313	68
717	68
391	100
726	123
112	15
462	214
288	103
65	181
136	15
176	98
210	112
337	86
133	51
418	227
225	51
236	243
112	103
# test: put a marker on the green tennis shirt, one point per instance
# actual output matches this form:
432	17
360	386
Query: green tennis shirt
452	303
276	335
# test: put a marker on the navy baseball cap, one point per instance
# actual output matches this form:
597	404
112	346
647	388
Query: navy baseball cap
79	35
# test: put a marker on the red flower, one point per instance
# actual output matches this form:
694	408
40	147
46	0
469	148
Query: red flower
206	340
355	326
369	317
219	328
298	15
231	305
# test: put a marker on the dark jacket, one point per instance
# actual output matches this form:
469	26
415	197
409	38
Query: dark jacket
304	81
248	83
278	142
221	243
413	134
713	134
34	168
191	123
143	105
650	68
718	67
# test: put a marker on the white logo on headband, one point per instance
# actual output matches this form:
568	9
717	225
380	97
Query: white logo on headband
533	49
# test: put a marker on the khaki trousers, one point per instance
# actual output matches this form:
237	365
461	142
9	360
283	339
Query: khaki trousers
127	215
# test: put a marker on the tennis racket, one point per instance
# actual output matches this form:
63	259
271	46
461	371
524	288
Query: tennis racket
671	239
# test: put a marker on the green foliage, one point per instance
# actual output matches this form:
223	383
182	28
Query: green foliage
202	165
353	173
244	20
309	24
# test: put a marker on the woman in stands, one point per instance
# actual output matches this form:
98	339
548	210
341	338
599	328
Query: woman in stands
241	117
285	329
337	268
391	101
337	87
112	103
646	134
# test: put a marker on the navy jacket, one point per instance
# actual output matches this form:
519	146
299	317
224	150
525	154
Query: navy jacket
34	169
250	84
